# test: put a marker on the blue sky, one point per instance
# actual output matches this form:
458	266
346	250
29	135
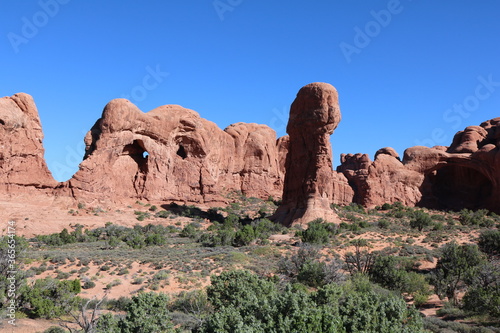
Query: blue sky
408	72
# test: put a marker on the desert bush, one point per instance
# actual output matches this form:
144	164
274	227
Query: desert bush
436	325
138	280
475	218
264	228
135	240
147	312
161	275
489	242
244	236
48	298
420	220
12	251
195	308
483	295
223	237
108	323
163	214
88	285
114	283
456	267
62	275
305	267
191	230
317	232
155	240
383	223
244	302
361	259
355	207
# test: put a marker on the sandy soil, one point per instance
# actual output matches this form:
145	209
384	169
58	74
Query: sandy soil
50	216
28	326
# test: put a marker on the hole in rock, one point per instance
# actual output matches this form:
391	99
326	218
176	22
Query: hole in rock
182	152
2	122
138	153
455	187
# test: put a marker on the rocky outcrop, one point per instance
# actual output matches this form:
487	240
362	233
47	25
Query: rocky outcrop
464	175
170	153
384	180
22	165
310	183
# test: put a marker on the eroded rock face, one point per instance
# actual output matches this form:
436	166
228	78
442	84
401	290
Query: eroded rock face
464	175
384	180
22	164
170	153
310	182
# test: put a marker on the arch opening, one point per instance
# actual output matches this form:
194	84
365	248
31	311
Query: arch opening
182	152
456	187
138	153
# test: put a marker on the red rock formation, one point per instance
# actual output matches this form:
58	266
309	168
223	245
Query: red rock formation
310	183
170	153
465	175
384	180
22	165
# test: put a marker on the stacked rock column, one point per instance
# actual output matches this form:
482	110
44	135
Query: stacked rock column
308	186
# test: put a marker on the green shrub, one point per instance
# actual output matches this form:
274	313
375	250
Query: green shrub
163	214
489	242
244	302
108	323
155	240
135	240
88	285
355	207
264	228
386	206
483	295
224	237
147	312
383	223
244	236
49	298
457	267
475	218
318	232
191	230
420	220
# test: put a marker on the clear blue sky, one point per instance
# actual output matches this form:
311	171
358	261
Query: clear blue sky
406	71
